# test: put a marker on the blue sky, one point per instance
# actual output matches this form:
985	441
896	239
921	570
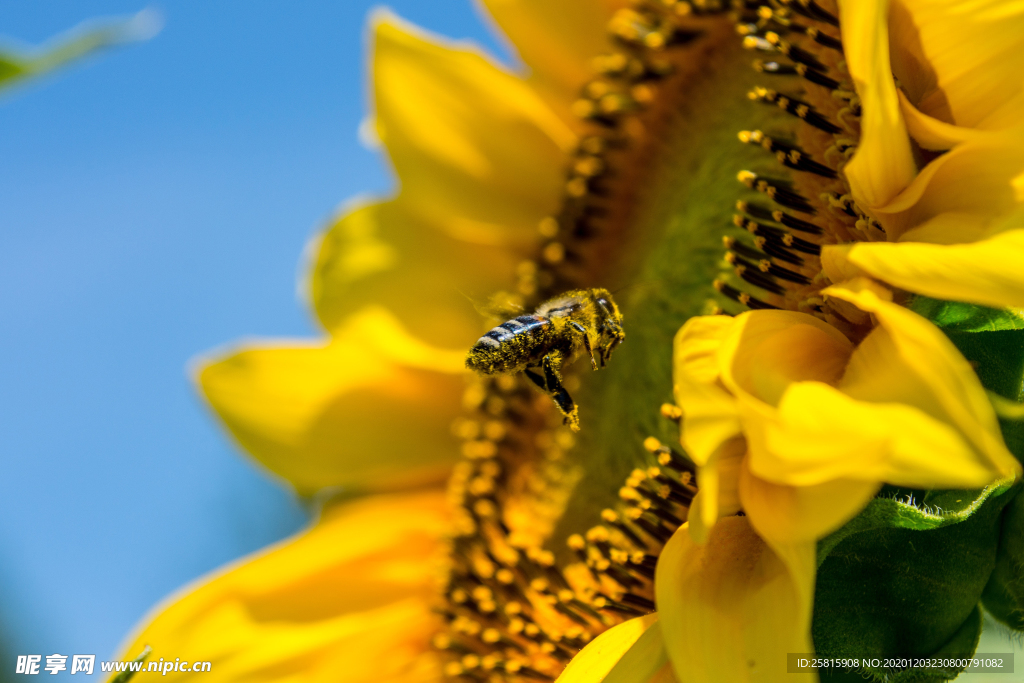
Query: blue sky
154	203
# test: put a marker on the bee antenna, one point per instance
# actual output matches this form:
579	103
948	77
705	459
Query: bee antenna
467	296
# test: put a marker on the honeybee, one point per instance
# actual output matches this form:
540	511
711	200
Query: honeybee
550	337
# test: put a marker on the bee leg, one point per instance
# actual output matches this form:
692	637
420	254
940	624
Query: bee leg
586	342
536	379
561	397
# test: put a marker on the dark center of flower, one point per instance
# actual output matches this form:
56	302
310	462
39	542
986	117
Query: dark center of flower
650	196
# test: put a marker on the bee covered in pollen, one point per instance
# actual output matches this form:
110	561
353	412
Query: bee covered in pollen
540	343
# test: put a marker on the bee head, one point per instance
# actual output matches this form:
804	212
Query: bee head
609	323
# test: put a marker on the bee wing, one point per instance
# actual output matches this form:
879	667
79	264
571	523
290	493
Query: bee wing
501	306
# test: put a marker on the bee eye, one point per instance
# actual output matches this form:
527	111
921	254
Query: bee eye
603	302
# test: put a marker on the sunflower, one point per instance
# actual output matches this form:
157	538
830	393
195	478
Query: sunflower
815	385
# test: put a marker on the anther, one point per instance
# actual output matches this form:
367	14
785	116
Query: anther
842	202
774	68
638	601
783	273
795	223
787	155
750	273
598	534
505	576
776	191
757	43
453	669
811	10
815	76
741	297
655	531
603	602
798	108
554	252
668	456
612	517
548	227
671	412
793	52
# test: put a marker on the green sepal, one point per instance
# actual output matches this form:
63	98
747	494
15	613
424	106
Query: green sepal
955	316
911	509
992	339
904	577
1004	593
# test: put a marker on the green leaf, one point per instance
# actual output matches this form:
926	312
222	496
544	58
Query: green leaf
129	673
954	316
962	644
992	340
1004	594
16	65
905	577
997	357
919	510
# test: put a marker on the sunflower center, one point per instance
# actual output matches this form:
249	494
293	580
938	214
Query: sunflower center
650	196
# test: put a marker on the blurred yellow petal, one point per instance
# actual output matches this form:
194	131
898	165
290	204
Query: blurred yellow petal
718	494
732	608
370	408
710	417
382	254
478	152
960	61
350	595
645	662
635	644
988	272
557	39
906	359
883	164
975	178
801	514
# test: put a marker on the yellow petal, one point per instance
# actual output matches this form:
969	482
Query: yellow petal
710	417
960	61
988	272
766	351
975	178
823	435
719	488
371	408
478	152
645	662
352	594
932	134
382	254
801	514
557	39
908	360
883	164
732	608
631	652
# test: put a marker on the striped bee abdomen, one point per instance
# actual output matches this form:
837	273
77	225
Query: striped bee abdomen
509	345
